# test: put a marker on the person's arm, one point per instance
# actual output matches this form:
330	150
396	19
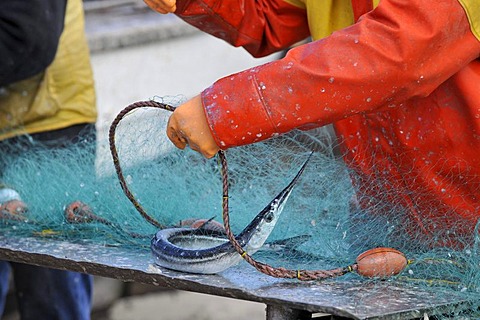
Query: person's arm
400	50
29	35
261	27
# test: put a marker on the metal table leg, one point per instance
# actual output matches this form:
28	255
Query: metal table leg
277	312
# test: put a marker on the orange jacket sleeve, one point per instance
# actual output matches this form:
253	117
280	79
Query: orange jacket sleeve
262	27
399	51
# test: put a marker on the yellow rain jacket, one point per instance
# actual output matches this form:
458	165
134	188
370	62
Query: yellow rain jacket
61	96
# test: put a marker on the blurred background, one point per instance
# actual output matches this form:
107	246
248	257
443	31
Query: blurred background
138	54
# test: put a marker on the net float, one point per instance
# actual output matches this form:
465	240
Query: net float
79	212
380	262
194	223
13	210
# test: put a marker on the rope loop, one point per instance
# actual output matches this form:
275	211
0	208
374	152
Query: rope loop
303	275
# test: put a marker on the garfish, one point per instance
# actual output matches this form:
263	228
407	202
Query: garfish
208	251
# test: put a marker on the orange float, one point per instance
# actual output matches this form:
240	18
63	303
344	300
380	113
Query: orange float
381	263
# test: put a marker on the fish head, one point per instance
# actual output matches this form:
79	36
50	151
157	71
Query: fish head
264	223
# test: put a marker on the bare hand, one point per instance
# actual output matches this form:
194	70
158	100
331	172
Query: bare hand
162	6
188	125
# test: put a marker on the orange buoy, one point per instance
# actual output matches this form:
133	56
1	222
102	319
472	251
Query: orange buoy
381	263
78	212
14	207
13	210
207	224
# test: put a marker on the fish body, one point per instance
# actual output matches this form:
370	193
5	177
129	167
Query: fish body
207	251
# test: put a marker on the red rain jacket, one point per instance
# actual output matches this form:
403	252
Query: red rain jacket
401	86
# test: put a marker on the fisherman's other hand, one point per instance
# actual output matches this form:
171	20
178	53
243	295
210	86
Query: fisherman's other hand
162	6
188	125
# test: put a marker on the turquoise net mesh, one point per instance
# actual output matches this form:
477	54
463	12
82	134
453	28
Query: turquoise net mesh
325	227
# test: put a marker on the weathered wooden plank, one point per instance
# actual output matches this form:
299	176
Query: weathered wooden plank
351	298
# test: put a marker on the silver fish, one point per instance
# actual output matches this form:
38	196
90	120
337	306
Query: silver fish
209	251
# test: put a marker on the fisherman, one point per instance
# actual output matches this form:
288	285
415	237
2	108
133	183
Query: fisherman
399	80
47	99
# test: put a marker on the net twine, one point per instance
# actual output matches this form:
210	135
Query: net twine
277	272
116	160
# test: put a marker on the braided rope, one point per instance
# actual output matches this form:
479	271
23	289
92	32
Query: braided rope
304	275
279	272
116	160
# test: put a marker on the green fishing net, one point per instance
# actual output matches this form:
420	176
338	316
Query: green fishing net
321	226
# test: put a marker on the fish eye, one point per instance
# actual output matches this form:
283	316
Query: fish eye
269	217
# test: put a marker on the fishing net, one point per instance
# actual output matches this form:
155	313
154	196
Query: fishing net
321	227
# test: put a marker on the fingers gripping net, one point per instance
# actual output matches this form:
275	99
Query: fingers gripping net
326	222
